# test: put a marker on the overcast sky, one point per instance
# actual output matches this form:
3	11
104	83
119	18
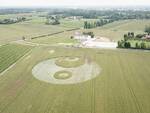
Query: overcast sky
73	2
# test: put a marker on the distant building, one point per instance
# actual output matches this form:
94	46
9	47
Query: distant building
146	37
81	37
74	17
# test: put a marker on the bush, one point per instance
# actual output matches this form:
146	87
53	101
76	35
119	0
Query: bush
137	46
89	33
147	29
71	37
140	36
143	45
127	45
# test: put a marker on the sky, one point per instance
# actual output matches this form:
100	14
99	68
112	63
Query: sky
73	2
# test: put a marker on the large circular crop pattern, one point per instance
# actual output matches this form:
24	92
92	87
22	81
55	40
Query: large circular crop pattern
49	71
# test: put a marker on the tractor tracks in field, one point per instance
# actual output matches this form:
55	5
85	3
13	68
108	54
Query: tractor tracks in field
93	96
12	65
133	95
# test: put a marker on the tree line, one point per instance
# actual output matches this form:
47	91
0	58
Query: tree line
98	23
12	20
114	14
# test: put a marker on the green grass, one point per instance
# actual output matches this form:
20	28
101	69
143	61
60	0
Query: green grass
27	29
32	28
57	39
9	54
72	23
122	87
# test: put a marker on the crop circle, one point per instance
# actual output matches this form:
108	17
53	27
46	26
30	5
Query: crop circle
69	62
62	75
48	71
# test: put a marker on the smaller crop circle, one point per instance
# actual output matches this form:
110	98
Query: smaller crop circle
62	75
69	62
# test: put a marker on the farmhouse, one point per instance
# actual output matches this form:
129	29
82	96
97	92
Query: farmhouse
75	17
146	37
96	42
81	37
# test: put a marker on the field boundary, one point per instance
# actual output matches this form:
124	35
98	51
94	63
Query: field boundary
40	36
11	66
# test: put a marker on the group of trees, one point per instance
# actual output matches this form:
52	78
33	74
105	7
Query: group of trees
127	44
98	23
147	30
124	44
140	46
52	20
112	14
89	33
12	20
131	36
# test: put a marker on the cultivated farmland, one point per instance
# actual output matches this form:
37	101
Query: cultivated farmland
122	86
52	74
10	53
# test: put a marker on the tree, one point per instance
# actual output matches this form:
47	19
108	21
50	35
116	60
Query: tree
125	37
140	36
72	37
23	38
129	34
137	45
89	33
143	45
132	34
127	45
85	25
147	29
119	44
88	25
51	20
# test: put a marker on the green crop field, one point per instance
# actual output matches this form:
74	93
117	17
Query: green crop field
27	29
64	37
9	54
32	28
121	87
